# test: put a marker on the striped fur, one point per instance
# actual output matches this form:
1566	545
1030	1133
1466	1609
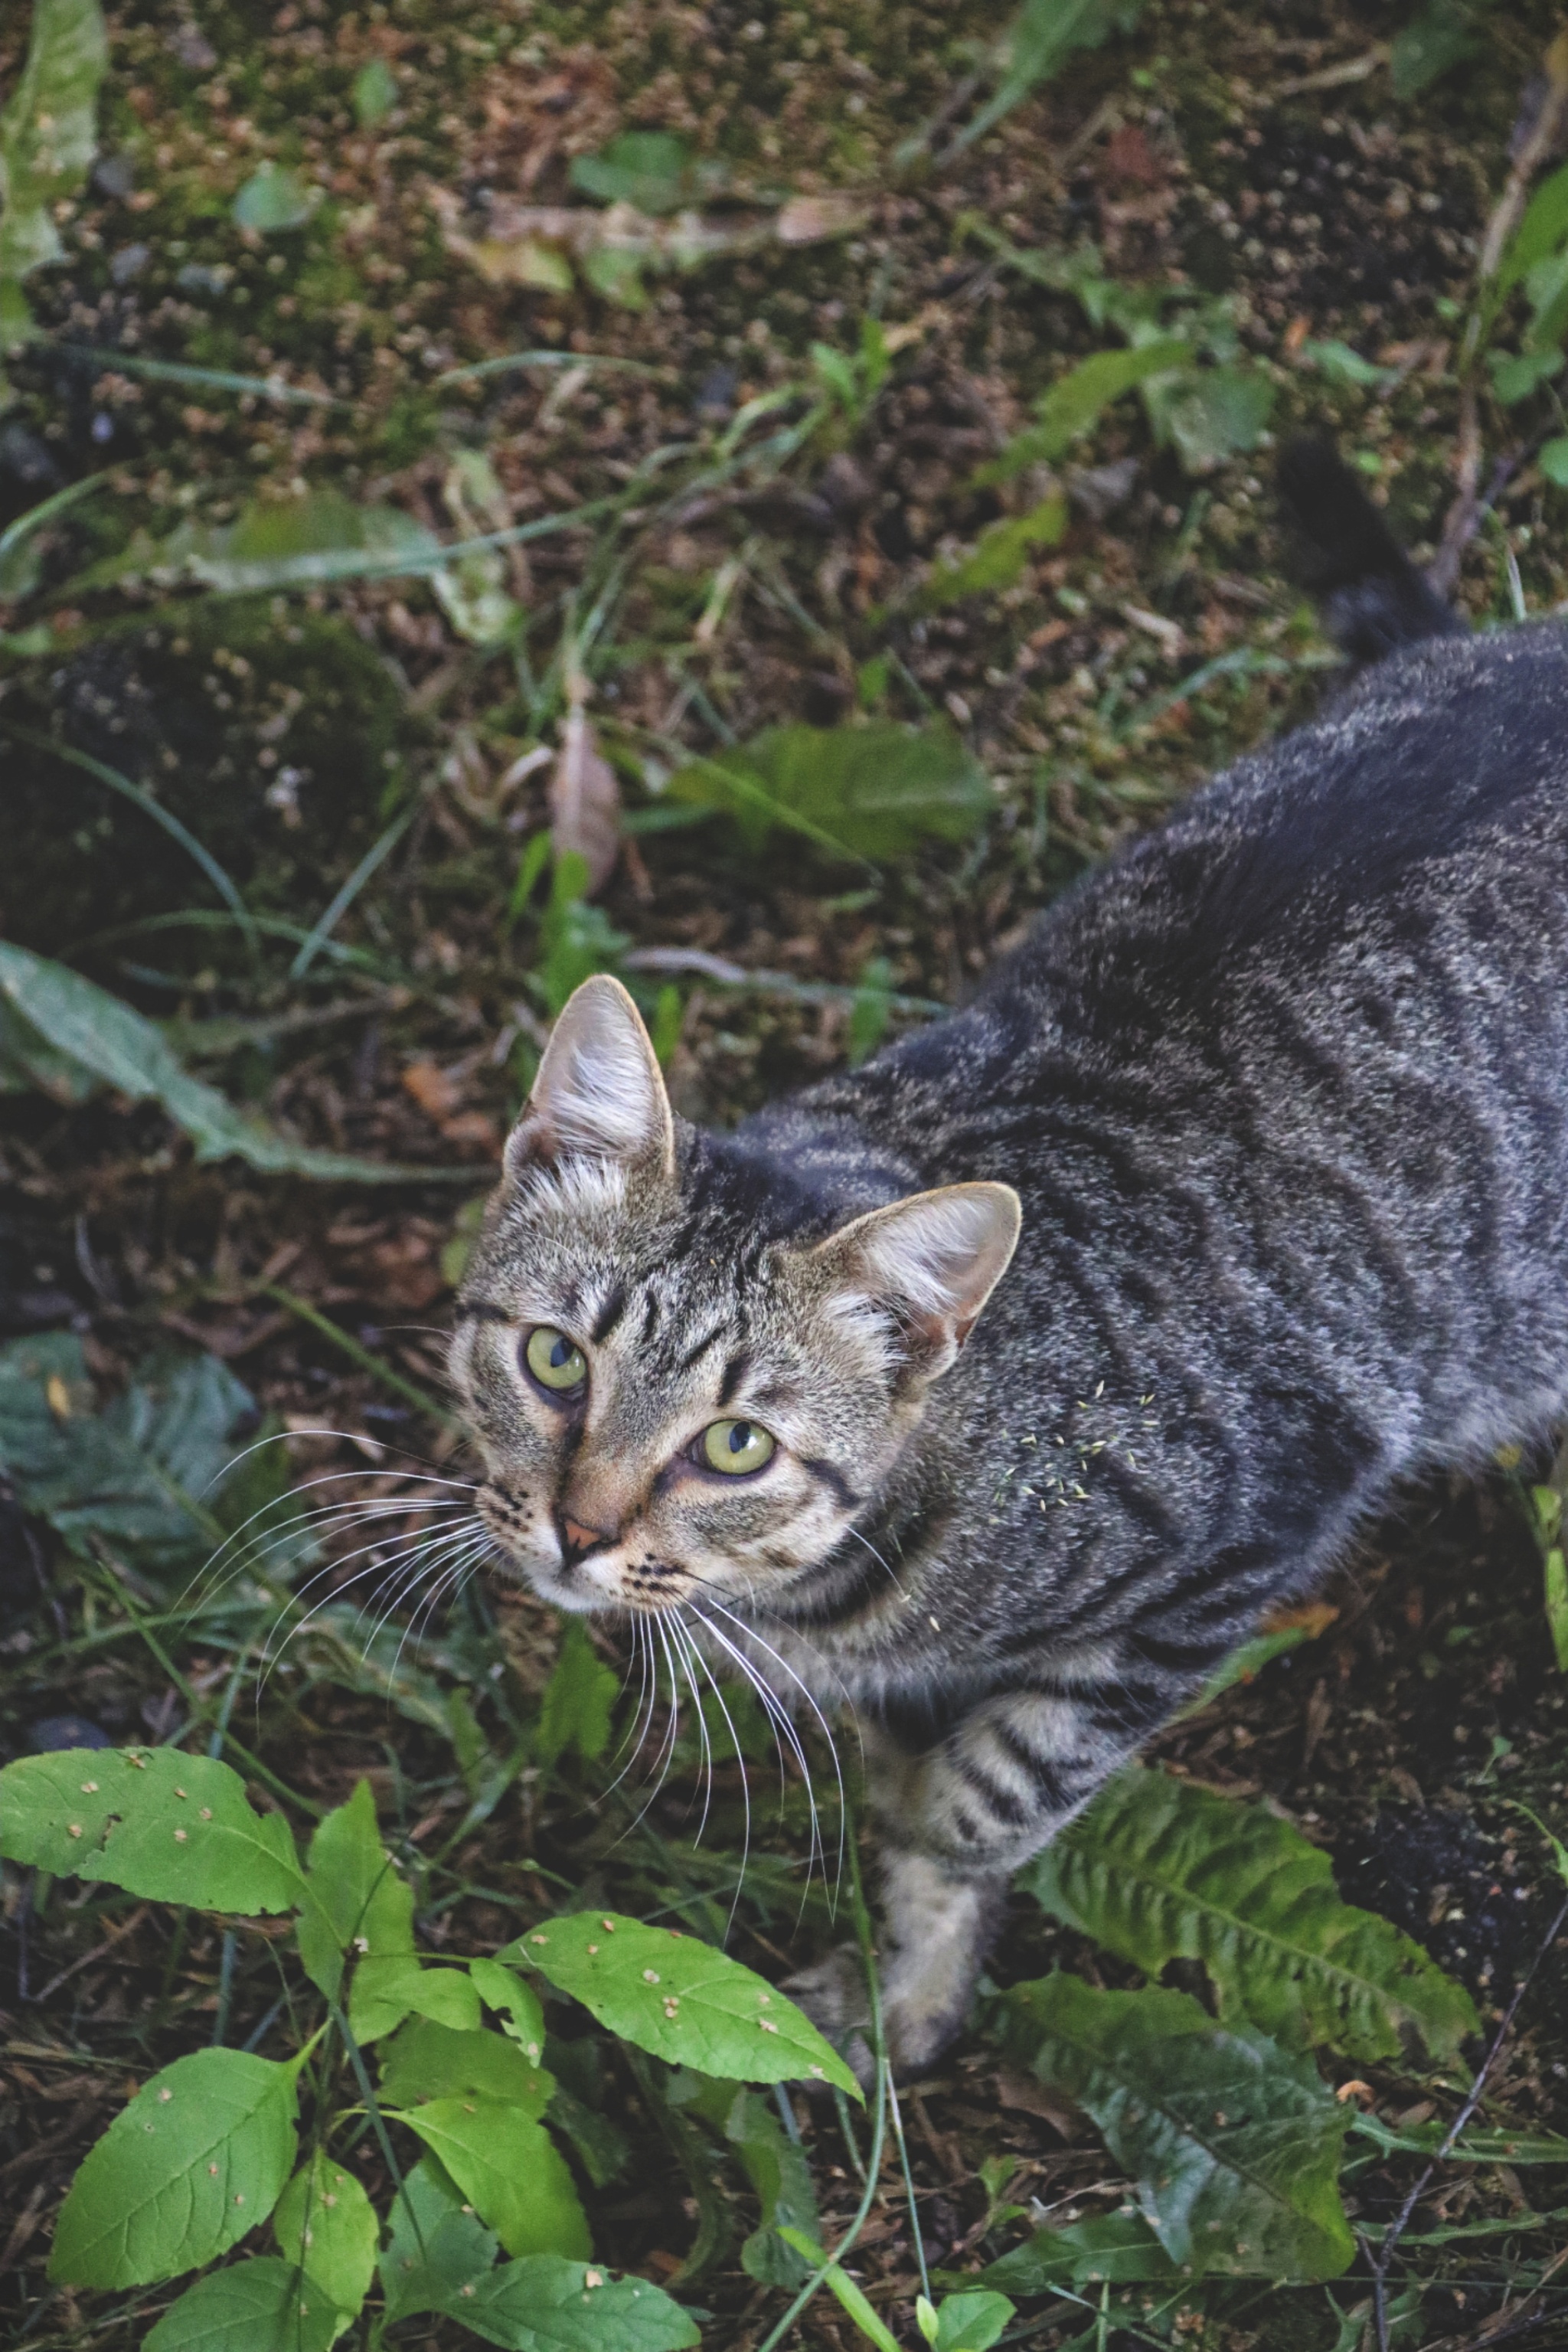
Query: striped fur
1283	1094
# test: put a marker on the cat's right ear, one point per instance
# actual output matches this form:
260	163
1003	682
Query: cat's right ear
599	1094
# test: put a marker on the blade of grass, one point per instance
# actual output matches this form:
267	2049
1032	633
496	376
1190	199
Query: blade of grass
45	511
143	800
344	896
264	387
509	361
350	1347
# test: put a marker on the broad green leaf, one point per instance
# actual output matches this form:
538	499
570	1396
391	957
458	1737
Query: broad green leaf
115	1045
1516	375
858	792
374	93
651	170
327	2224
579	1700
261	2306
1120	2248
427	2061
546	2305
1158	1869
1443	36
971	2322
385	1990
509	2170
1553	461
146	1474
999	555
174	1828
1342	364
197	2159
1215	414
1233	2145
1078	400
1554	1594
680	2000
359	1899
273	198
1540	233
775	2166
48	136
437	2246
503	1990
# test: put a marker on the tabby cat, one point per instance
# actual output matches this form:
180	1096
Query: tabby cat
996	1388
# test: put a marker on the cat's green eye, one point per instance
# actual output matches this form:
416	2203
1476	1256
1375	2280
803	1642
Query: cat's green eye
736	1447
556	1361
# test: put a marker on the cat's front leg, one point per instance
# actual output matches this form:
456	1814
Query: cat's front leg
955	1824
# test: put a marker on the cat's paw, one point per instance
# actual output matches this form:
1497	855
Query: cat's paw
833	1995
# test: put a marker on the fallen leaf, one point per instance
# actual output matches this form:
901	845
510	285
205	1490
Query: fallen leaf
584	802
810	220
431	1088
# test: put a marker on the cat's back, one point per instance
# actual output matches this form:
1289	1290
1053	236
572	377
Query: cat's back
1438	774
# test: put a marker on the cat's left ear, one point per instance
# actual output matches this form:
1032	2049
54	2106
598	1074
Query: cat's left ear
599	1094
926	1267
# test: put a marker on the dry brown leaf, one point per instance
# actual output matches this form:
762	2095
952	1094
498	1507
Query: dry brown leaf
584	802
431	1088
809	220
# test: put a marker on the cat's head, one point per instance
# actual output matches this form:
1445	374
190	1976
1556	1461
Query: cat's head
679	1383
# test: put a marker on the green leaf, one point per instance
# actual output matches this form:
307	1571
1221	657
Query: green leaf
146	1474
545	2305
1159	1869
374	93
358	1899
1555	1597
48	136
1078	400
174	1828
1540	233
437	2245
385	1989
1443	36
775	2166
998	555
858	792
1217	414
651	170
427	2061
326	2224
1342	364
1043	35
971	2322
261	2306
579	1700
1233	2145
115	1046
1118	2249
504	1991
1516	375
680	2000
1553	461
274	198
197	2159
510	2170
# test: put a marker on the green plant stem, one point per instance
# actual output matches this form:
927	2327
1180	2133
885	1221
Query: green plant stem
350	1347
776	2335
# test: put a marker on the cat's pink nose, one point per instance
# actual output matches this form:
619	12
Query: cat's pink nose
576	1539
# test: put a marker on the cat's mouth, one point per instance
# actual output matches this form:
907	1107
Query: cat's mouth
583	1581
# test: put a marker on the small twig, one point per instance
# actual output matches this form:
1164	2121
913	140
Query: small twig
121	1928
1471	2102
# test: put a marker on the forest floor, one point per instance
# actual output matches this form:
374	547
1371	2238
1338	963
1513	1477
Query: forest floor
364	733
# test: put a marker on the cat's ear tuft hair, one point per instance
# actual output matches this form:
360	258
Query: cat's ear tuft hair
925	1266
599	1094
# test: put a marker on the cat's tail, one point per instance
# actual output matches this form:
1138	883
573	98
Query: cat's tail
1374	598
